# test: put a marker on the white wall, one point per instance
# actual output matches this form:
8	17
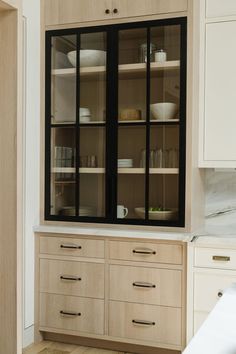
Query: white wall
31	13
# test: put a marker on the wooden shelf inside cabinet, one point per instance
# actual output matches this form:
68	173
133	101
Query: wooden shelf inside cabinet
126	71
130	170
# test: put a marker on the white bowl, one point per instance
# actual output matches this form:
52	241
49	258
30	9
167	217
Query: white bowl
157	215
88	57
84	112
164	110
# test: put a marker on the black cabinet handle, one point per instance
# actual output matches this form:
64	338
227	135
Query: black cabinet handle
71	247
70	278
68	313
107	11
144	285
220	294
115	11
144	323
144	251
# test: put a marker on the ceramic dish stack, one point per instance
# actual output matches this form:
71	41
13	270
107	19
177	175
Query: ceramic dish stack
84	115
83	211
125	163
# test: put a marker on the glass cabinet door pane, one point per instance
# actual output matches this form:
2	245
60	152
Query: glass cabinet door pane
164	123
131	122
92	119
63	79
63	156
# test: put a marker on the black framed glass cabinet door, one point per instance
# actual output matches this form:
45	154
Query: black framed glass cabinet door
116	124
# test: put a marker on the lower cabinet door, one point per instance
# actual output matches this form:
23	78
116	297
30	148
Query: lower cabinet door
72	313
145	322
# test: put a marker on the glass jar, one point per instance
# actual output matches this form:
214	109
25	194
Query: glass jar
143	52
160	56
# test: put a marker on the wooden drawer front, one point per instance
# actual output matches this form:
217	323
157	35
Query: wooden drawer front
218	8
72	278
215	258
72	247
58	12
208	289
145	285
84	315
157	324
146	252
126	8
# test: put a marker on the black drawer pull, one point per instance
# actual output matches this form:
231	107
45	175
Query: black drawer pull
144	323
220	294
107	11
115	11
71	247
144	285
144	251
70	278
68	313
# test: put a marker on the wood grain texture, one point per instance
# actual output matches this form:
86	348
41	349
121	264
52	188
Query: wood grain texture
10	177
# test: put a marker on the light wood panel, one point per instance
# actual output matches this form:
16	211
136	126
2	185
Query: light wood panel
164	327
147	7
145	285
90	320
88	247
79	278
146	252
10	177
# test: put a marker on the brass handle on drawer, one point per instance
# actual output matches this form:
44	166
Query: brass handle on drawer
144	323
72	247
71	278
144	251
221	258
68	313
144	285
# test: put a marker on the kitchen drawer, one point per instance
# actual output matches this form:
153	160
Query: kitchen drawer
145	322
145	285
146	252
84	315
215	258
66	246
72	278
208	288
218	8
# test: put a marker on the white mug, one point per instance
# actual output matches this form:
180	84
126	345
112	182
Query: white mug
122	212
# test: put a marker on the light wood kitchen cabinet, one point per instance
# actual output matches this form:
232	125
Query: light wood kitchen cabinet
219	8
58	12
127	8
133	301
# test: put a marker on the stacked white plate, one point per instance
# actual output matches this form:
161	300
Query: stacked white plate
125	163
84	115
83	211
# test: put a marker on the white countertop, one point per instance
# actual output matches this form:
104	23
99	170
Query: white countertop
217	334
112	232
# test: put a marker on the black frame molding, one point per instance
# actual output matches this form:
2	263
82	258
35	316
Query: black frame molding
112	124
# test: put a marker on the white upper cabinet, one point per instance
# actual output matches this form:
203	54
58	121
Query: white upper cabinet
219	8
220	94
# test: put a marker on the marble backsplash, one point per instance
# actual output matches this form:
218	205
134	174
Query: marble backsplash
220	202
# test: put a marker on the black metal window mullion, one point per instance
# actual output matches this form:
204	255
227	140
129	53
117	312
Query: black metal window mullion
112	123
147	176
48	65
77	130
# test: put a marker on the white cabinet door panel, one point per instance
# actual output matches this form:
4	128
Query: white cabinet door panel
220	92
218	8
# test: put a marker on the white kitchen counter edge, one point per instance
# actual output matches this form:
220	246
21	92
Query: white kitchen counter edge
105	232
